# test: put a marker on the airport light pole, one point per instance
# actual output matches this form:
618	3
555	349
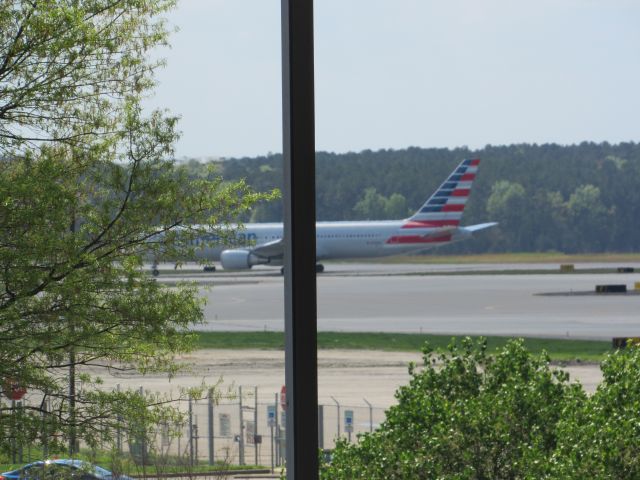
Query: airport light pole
301	376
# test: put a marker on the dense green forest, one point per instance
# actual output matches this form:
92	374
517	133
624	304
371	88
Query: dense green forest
571	199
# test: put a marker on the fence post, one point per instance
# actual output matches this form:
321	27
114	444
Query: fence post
241	439
20	417
255	424
211	426
195	435
370	415
338	406
118	429
321	427
179	427
143	442
271	425
190	430
277	449
45	439
14	443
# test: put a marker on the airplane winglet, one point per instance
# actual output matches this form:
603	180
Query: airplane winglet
480	226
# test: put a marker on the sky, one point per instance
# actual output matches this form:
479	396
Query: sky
391	74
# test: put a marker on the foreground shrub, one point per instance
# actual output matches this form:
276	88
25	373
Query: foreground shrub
601	438
466	414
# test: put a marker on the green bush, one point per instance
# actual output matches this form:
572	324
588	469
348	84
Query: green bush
601	438
469	415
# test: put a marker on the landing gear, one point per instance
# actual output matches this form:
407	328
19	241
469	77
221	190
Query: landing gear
209	268
155	272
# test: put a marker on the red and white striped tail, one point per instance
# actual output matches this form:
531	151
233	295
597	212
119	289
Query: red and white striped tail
445	207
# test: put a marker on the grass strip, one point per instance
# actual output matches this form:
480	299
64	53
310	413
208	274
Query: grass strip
558	349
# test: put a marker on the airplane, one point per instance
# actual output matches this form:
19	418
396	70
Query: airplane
435	224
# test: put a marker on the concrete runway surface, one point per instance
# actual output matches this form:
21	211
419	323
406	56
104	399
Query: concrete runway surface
396	298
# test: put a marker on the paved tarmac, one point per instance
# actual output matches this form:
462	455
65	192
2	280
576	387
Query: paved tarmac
396	298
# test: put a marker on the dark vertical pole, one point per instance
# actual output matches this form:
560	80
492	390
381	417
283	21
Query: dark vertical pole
300	239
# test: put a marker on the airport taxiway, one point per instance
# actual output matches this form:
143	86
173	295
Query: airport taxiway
400	298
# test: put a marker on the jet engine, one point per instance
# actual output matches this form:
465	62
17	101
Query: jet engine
239	259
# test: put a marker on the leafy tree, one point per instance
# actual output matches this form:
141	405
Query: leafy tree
396	206
465	415
66	67
89	192
600	438
588	217
505	200
506	205
374	206
371	206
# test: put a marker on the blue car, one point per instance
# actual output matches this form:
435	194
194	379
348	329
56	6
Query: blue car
61	469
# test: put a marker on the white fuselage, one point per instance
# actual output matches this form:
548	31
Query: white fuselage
338	240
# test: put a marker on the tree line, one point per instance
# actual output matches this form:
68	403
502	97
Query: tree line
572	199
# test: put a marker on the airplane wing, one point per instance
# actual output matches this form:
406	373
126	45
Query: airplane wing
269	249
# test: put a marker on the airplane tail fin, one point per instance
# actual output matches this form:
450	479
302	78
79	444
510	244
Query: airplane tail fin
445	207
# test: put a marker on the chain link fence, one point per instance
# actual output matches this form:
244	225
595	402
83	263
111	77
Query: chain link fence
247	428
250	429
